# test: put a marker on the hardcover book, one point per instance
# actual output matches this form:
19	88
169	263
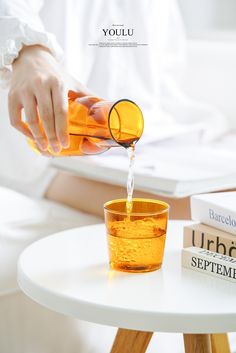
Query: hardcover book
160	175
209	238
217	210
209	262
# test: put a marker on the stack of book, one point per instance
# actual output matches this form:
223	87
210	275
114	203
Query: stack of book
209	246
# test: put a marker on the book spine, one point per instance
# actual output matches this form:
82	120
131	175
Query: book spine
212	215
210	263
223	243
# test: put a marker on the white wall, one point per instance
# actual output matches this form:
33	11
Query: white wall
210	74
203	17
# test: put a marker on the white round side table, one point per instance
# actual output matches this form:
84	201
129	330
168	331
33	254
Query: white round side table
68	272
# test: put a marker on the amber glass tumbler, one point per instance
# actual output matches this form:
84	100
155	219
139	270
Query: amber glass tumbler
136	241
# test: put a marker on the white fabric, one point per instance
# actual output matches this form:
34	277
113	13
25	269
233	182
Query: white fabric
142	68
20	168
146	74
25	220
20	26
35	329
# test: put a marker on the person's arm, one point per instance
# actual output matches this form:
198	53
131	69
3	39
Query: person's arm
38	87
29	66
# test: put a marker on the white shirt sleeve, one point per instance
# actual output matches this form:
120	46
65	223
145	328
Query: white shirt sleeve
20	25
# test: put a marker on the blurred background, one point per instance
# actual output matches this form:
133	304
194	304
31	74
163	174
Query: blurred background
206	74
210	74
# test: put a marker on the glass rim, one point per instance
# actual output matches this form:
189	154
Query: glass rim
106	204
109	116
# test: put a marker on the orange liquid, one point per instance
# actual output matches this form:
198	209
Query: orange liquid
79	130
94	126
136	246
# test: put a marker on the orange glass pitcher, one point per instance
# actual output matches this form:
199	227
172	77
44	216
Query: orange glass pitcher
95	125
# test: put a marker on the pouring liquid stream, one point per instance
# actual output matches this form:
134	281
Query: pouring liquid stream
130	179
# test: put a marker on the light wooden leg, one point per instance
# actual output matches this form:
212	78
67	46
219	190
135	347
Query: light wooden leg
130	341
220	343
197	343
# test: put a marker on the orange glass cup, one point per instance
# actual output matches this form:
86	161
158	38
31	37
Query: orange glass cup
136	241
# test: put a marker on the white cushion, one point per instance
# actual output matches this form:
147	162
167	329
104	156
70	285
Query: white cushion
27	327
24	220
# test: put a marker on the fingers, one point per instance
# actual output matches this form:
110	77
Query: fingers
45	107
14	109
60	107
33	122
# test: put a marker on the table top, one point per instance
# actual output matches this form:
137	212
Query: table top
68	272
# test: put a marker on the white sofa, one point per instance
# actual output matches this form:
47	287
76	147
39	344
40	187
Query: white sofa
26	327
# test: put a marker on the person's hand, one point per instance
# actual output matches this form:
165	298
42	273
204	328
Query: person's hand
38	87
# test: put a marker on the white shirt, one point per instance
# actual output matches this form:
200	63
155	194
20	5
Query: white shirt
145	72
111	72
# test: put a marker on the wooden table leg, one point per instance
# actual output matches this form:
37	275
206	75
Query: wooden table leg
130	341
220	343
197	343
